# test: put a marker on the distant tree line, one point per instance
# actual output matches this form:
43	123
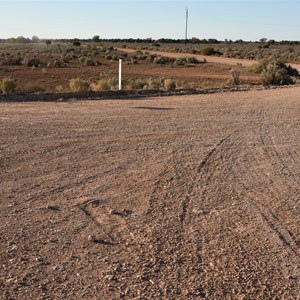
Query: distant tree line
97	39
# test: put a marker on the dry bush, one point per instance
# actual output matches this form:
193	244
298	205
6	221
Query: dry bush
276	74
32	62
136	84
155	84
235	76
258	67
56	63
105	84
169	84
7	85
190	60
11	60
79	85
101	85
209	51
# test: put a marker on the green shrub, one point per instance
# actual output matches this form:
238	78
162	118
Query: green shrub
273	74
278	73
258	67
7	85
79	85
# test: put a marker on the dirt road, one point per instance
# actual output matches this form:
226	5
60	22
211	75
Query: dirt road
192	197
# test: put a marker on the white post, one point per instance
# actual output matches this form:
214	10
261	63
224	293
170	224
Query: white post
120	74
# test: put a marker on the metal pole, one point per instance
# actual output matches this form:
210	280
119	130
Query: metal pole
120	74
186	23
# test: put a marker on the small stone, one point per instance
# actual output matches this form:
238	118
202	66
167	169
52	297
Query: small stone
92	238
14	247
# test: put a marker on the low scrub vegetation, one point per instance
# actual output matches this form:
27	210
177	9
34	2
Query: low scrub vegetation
275	72
209	51
235	76
169	84
94	61
106	84
79	85
7	86
56	63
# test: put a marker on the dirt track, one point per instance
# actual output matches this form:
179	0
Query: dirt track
193	197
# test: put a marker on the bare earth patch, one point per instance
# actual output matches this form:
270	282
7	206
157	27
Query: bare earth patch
192	197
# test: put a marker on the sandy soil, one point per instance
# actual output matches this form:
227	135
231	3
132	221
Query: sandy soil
192	197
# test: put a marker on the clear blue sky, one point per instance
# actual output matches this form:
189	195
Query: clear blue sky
239	19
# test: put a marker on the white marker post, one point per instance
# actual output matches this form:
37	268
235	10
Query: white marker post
120	74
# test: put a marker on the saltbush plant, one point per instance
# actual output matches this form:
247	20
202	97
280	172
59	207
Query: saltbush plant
275	72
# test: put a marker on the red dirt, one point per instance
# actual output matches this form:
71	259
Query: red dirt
193	197
37	79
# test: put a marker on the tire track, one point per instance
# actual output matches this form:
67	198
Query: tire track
222	155
287	238
269	146
179	181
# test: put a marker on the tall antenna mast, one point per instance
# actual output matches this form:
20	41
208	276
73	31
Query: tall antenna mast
186	23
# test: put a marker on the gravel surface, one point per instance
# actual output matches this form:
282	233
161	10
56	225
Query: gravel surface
186	197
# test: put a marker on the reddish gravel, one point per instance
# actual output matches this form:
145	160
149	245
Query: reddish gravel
190	197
